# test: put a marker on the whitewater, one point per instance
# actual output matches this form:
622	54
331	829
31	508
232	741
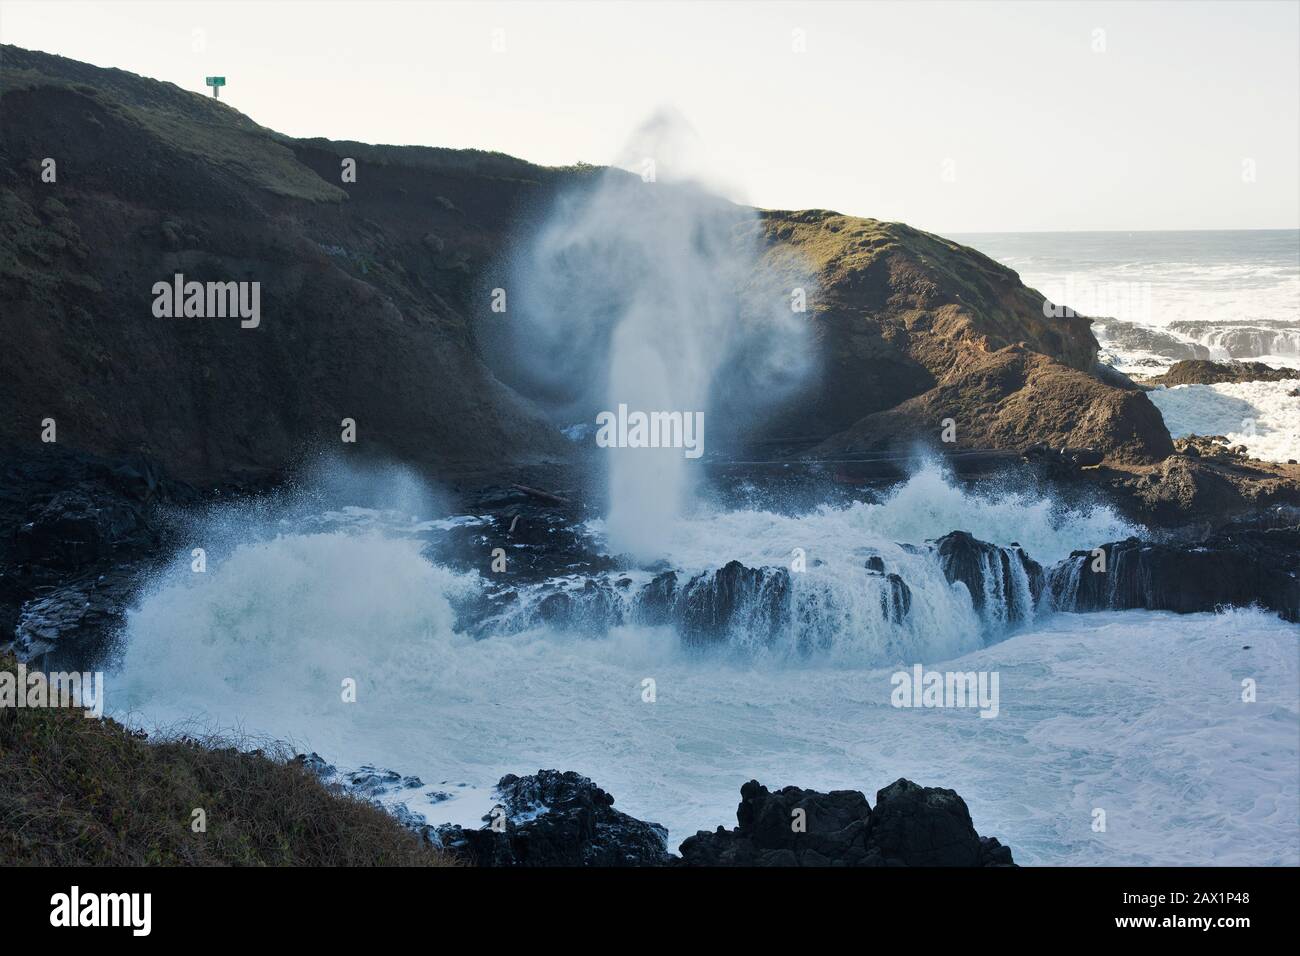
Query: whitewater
1263	416
1136	713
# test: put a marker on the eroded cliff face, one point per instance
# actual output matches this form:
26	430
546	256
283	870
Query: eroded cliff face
373	295
915	329
367	300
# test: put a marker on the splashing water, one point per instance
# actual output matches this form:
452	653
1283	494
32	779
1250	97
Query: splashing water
647	294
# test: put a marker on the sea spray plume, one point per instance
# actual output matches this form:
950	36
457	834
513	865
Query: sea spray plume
326	482
648	290
322	579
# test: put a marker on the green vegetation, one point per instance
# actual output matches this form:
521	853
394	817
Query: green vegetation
81	791
218	134
188	122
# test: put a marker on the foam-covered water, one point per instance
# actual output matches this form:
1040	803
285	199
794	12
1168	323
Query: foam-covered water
1236	294
1137	713
926	506
1263	416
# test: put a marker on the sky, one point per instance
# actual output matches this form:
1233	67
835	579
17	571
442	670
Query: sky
955	117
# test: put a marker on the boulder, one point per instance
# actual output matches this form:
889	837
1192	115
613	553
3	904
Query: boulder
1006	577
556	819
1235	568
910	826
757	600
1261	337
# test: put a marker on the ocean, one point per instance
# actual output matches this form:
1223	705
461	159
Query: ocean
1139	715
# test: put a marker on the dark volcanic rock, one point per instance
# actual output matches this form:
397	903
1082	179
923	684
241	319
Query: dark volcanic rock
836	828
735	596
1201	372
896	596
558	819
1235	568
1128	337
593	606
922	826
1262	337
654	605
76	533
990	571
896	599
709	606
910	826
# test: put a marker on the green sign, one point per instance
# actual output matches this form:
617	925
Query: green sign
216	81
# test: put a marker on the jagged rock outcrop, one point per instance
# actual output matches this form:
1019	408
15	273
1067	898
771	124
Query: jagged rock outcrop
1202	372
563	819
593	606
1261	337
1004	583
712	605
910	826
1016	398
75	534
1235	569
557	819
1128	337
755	600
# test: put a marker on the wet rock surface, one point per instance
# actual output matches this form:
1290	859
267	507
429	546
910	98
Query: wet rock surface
75	534
735	597
556	819
1129	337
1236	568
1202	372
992	574
909	826
1261	337
563	819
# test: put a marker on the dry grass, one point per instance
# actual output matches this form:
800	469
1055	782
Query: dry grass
80	791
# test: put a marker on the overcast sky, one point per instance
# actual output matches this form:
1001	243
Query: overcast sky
955	117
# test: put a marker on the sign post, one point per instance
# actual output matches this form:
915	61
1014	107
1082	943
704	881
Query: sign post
216	82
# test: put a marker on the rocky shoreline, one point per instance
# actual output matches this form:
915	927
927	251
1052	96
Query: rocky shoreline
554	818
79	535
375	301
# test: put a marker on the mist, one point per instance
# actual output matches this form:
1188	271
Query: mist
646	289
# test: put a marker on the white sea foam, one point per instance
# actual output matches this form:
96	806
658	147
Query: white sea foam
1137	713
1259	415
927	505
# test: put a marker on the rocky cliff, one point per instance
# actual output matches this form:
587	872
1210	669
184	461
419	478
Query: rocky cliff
915	329
366	291
374	292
